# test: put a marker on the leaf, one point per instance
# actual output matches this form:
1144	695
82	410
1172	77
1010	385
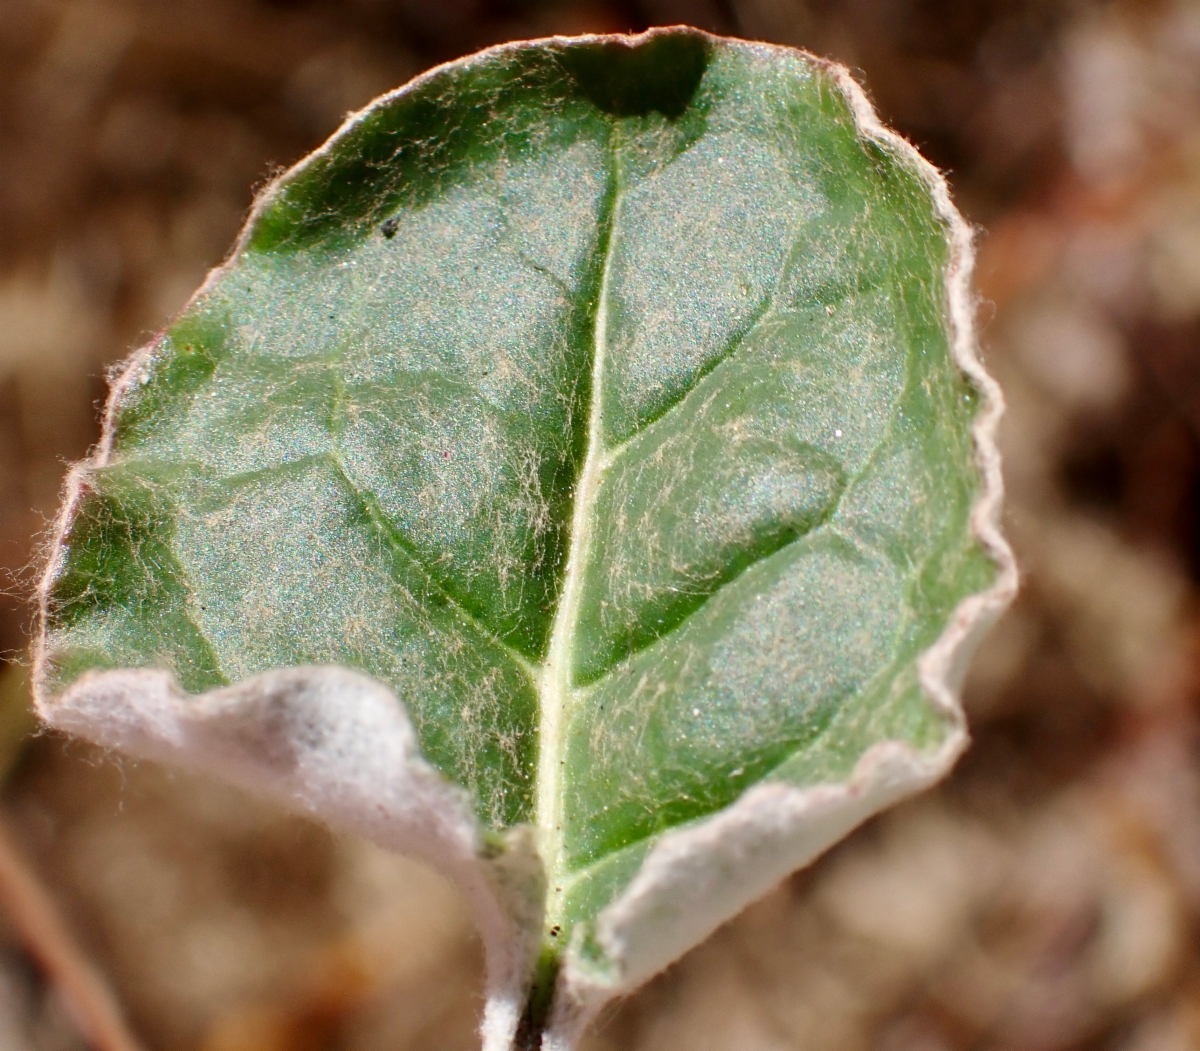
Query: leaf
576	477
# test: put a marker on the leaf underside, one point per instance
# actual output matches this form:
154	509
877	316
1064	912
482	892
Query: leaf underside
598	400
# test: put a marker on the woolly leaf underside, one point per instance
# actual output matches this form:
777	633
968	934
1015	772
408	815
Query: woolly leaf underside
654	329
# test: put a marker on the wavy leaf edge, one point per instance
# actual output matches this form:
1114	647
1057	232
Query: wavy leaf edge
272	733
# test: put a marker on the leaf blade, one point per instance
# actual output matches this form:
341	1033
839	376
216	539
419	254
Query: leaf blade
604	397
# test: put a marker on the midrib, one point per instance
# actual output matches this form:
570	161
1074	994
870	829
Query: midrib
554	687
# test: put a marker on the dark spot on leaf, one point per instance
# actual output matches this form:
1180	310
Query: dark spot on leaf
660	73
389	228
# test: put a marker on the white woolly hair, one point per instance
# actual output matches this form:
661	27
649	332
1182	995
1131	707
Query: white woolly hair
334	744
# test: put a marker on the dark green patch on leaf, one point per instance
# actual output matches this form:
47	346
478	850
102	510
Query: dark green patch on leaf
632	80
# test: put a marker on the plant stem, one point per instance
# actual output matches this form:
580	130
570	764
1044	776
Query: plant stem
538	1003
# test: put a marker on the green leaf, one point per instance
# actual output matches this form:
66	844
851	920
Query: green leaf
605	400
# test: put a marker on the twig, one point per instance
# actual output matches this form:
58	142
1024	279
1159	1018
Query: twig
88	999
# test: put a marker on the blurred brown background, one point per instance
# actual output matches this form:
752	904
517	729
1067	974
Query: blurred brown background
1046	897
